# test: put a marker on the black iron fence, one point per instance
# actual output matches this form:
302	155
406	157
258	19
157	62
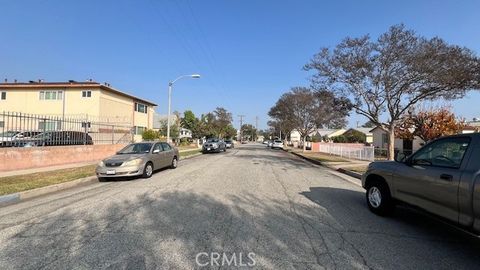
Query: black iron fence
26	130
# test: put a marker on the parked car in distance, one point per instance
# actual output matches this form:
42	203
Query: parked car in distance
277	144
214	145
14	138
138	159
229	144
55	138
442	178
265	142
270	143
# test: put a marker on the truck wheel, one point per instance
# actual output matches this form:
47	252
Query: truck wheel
148	170
379	199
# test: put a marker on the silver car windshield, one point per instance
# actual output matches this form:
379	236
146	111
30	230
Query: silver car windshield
137	148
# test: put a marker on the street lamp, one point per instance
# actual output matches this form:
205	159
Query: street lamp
170	85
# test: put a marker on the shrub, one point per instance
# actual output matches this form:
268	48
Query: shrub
150	135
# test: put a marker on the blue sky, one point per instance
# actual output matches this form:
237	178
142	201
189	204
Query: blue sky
248	52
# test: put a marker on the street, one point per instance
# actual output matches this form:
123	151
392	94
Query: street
284	212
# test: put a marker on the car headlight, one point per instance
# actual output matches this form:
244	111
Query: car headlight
133	162
101	164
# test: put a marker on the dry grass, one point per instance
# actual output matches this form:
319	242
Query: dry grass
13	184
357	169
324	157
189	153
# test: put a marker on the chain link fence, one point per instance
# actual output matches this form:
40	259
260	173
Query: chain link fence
27	130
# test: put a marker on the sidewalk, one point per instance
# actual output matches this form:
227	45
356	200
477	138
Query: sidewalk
352	167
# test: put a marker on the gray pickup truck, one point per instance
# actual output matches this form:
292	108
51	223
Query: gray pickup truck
442	178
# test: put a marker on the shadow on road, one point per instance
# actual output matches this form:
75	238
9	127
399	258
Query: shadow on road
328	227
407	234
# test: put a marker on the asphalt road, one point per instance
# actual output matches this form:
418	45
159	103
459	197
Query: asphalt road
285	212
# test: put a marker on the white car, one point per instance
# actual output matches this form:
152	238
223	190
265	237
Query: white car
277	144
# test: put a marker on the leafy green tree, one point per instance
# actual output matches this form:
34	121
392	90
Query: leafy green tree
230	132
189	120
248	132
174	132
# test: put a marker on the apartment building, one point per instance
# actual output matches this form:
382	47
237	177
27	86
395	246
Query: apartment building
92	100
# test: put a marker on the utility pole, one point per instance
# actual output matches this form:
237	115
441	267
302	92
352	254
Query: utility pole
241	124
256	128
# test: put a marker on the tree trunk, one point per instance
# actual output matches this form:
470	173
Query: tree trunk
304	143
391	143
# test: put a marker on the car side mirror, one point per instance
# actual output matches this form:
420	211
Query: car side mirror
156	151
401	157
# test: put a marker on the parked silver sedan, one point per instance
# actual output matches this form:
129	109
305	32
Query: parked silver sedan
138	159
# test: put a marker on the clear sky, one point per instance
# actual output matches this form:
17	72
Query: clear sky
248	52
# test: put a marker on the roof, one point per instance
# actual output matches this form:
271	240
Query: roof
327	132
70	84
366	131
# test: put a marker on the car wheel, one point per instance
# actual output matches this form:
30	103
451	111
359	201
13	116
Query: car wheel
174	163
148	170
379	199
224	149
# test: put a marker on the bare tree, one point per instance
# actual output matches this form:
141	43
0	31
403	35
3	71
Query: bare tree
305	110
384	78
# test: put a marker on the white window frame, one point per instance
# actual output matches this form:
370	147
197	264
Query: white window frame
51	93
137	107
86	93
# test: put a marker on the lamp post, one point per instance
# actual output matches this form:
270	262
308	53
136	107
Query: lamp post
170	86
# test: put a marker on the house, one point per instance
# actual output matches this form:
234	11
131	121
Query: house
185	133
365	131
380	141
329	133
100	103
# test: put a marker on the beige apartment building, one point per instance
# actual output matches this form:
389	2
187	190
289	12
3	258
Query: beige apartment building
97	102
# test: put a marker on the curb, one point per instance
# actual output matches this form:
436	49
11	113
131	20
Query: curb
190	156
27	194
349	173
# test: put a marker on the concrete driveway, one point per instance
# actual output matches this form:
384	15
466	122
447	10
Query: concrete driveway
264	208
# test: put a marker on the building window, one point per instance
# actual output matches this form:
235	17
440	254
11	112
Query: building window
139	130
51	95
87	93
3	96
385	139
2	124
49	125
139	107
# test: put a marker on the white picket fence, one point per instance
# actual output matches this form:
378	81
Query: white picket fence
347	150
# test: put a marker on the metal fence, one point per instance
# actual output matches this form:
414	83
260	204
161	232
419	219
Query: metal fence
346	150
24	130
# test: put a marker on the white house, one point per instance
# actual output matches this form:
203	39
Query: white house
380	140
185	133
329	133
